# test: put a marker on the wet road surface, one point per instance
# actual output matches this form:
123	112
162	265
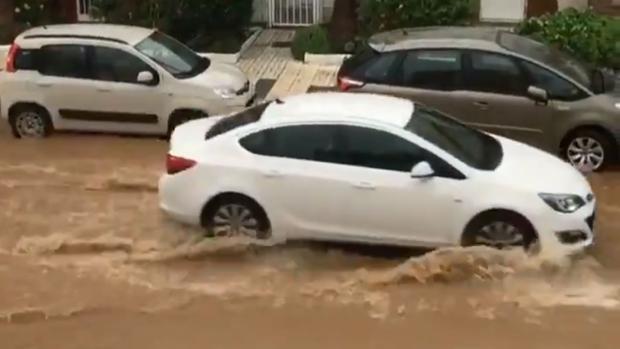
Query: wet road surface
88	261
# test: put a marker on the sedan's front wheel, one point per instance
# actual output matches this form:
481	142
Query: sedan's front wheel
500	229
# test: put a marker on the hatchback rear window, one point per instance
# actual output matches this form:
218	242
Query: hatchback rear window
232	122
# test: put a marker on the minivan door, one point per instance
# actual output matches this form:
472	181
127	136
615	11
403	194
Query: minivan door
496	100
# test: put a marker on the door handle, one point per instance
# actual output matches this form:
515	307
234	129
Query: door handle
103	89
364	186
482	105
273	174
44	84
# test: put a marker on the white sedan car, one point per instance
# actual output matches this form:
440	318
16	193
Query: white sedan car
371	169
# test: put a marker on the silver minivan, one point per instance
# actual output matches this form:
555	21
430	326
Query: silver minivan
497	81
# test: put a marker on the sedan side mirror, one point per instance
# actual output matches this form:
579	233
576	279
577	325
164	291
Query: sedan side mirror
422	170
538	94
145	77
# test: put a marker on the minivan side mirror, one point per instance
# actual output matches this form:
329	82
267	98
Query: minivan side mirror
422	170
145	77
538	94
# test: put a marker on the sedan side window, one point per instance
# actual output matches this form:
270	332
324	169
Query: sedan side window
432	70
68	61
376	149
557	87
382	70
307	142
495	73
111	64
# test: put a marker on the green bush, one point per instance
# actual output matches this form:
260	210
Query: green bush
381	15
183	19
312	39
31	13
584	34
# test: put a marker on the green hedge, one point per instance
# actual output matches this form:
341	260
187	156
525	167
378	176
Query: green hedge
381	15
585	34
183	19
312	39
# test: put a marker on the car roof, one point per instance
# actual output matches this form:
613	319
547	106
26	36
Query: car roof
484	38
121	33
341	106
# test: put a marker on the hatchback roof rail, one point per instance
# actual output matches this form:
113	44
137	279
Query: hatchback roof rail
72	36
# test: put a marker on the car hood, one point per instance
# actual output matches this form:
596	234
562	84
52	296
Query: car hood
532	169
221	75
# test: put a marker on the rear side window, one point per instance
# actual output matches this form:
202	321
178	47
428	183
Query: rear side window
495	73
433	70
307	142
109	64
26	60
68	61
383	69
243	118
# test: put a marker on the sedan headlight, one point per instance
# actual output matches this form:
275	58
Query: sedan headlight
225	92
565	203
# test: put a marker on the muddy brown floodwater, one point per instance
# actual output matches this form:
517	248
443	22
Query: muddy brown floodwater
88	261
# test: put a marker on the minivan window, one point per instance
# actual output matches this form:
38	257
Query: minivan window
176	58
557	87
472	147
109	64
494	73
548	55
432	70
68	61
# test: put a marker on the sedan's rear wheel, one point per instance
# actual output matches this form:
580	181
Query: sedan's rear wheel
500	230
236	217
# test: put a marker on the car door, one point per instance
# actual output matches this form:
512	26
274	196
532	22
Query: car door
384	203
497	100
106	96
303	187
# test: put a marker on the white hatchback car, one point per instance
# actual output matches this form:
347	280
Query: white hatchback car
112	78
371	169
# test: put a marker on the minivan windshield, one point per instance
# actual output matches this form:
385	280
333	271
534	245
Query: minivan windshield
563	62
176	58
474	148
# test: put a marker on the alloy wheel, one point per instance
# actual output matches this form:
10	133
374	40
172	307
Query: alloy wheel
234	220
586	154
30	124
500	234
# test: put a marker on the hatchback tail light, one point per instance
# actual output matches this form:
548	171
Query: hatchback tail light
345	83
10	59
176	164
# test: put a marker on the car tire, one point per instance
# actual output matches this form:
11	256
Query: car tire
232	216
30	121
588	150
500	229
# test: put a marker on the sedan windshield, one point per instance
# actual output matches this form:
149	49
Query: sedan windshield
571	66
474	148
173	56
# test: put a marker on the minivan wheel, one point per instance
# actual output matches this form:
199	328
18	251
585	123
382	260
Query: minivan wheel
588	150
501	229
233	217
30	122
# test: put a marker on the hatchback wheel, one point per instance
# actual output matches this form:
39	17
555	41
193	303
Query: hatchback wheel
30	122
236	217
500	230
588	150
